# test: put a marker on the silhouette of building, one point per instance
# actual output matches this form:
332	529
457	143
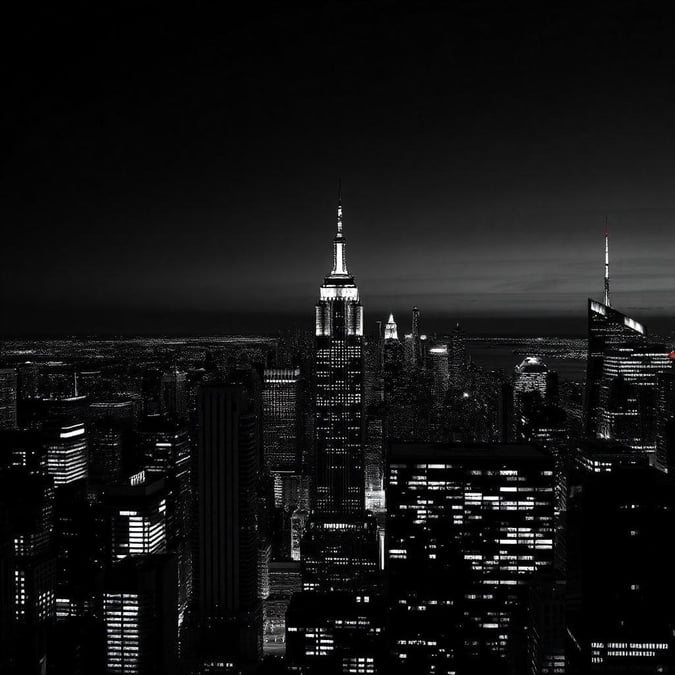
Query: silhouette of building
227	622
621	590
27	504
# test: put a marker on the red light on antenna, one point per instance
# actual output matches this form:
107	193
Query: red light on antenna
672	355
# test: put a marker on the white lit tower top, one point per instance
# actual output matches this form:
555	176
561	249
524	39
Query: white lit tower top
390	330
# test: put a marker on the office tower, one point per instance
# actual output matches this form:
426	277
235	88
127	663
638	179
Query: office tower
621	589
228	614
534	386
173	393
8	398
438	364
467	528
393	358
532	375
416	337
28	378
140	614
607	329
458	361
165	444
339	551
374	464
547	627
27	500
284	583
665	421
335	633
137	512
67	453
340	554
339	389
281	421
151	382
105	454
628	395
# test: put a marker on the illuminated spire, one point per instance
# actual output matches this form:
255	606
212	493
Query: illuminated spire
339	243
390	330
607	301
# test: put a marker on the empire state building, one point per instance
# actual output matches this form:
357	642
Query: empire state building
339	389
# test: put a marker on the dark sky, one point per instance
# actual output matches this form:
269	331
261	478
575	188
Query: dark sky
177	170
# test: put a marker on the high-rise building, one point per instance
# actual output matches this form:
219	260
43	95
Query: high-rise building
607	329
416	337
27	500
281	420
228	618
137	512
628	395
438	364
173	393
166	450
284	583
534	386
339	389
458	360
67	454
621	589
467	528
8	398
335	633
139	610
339	551
665	421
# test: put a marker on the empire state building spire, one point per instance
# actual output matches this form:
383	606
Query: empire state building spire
339	246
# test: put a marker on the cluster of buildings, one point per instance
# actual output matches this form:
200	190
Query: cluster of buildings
344	503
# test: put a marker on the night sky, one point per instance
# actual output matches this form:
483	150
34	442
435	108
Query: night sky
176	171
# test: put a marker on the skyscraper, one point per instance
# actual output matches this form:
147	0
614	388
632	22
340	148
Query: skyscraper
607	329
228	613
339	485
173	393
339	551
467	528
628	395
281	420
8	398
457	357
139	610
66	452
